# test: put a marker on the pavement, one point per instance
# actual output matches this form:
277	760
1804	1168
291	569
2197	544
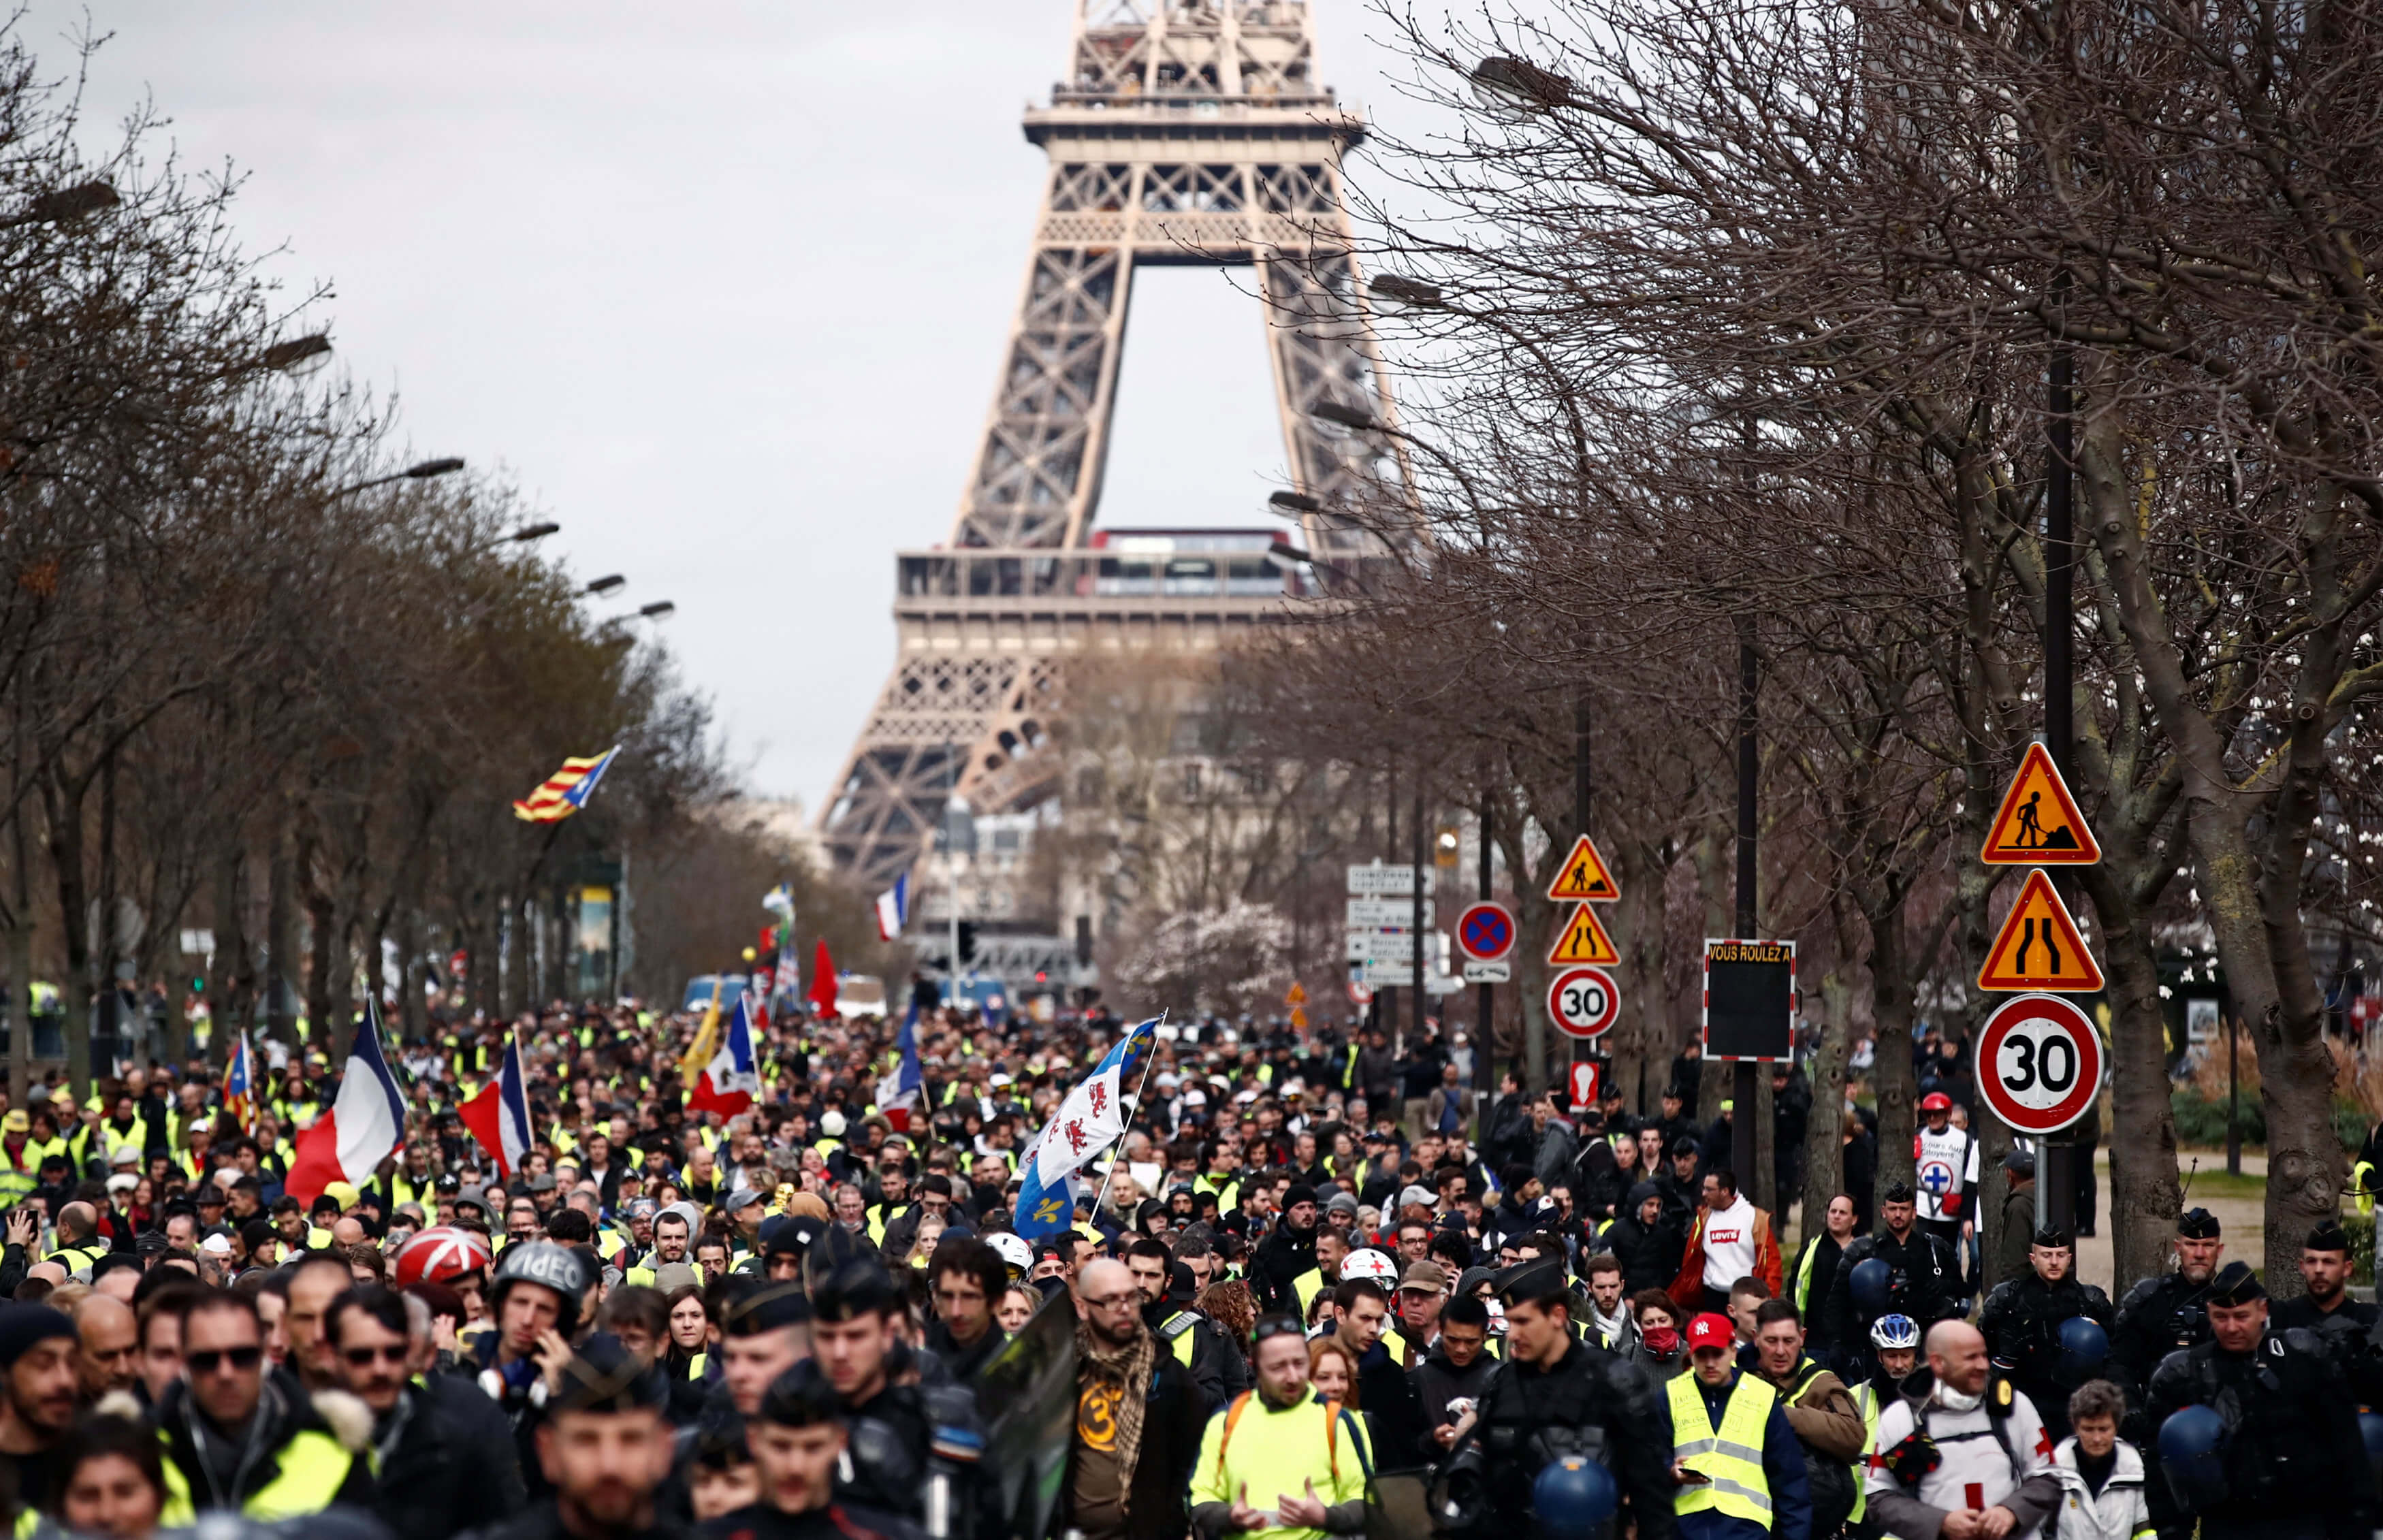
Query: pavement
2240	1207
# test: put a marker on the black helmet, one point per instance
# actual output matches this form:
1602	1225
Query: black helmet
548	1265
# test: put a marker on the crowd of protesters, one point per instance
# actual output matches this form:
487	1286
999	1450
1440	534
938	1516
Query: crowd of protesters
1317	1287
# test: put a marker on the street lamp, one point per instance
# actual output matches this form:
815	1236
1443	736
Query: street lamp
60	204
1396	292
1515	89
522	536
1285	550
659	610
423	471
1290	505
606	584
1342	414
298	357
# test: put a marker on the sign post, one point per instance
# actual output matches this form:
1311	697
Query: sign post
2040	825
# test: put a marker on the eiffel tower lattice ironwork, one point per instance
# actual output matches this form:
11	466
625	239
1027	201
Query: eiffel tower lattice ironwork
1187	132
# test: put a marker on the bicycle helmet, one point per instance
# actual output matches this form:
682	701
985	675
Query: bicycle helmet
441	1254
1896	1331
548	1265
1369	1264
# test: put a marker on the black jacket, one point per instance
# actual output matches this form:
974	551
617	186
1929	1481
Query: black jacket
1649	1254
1438	1382
284	1411
1283	1255
2022	1324
1926	1286
2291	1432
451	1466
1590	1403
2158	1316
1159	1505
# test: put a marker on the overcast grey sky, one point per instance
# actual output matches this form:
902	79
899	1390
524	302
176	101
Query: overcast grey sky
723	287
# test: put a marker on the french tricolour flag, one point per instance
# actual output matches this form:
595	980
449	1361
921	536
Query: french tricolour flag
499	1117
893	908
364	1126
731	1081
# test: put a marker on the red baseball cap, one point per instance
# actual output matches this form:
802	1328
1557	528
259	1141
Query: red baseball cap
1711	1331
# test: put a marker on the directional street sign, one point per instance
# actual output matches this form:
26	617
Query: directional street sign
1484	931
1381	946
1584	876
1377	880
2039	947
1488	973
1582	1001
2039	824
1389	972
2039	1063
1380	914
1583	940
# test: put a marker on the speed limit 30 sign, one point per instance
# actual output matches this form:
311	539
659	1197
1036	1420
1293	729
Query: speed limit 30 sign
1582	1001
2039	1063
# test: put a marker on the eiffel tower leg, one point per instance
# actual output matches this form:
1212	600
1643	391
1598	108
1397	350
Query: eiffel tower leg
1322	347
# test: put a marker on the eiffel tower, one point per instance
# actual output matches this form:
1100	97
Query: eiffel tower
1187	132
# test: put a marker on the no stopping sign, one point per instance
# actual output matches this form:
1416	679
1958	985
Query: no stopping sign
2039	1063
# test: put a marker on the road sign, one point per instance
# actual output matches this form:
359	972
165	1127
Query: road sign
2039	1063
1585	1074
1584	876
2039	824
1488	973
1749	999
1299	1018
1382	914
1583	940
2039	947
1484	931
1381	946
1391	972
1296	994
1376	880
1360	993
1582	1001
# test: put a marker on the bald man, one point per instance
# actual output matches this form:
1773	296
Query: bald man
1174	1415
109	1335
1993	1480
79	1242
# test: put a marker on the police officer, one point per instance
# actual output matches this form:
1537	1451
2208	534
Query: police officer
1923	1280
2343	1325
2022	1322
904	1437
2289	1462
1558	1395
2167	1313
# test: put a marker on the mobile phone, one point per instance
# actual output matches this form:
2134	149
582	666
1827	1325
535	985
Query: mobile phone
1695	1477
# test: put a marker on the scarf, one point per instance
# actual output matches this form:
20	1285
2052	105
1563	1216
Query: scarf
1662	1341
1129	1369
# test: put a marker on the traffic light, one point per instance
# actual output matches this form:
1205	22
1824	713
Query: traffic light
968	944
198	986
1447	846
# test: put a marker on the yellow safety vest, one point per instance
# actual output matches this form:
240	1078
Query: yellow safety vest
1305	1287
1281	1450
1866	1401
1177	1330
314	1466
1804	1277
1731	1455
78	1259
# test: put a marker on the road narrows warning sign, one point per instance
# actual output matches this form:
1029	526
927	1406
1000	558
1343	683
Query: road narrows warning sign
2039	824
1583	940
2039	946
1584	876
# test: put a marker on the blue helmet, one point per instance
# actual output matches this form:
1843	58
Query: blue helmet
1574	1497
1872	1285
2192	1453
1896	1331
2084	1347
2370	1428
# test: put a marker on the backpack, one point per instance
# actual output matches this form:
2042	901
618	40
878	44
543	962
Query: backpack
1334	1413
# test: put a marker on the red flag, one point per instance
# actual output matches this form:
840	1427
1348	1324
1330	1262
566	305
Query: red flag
822	996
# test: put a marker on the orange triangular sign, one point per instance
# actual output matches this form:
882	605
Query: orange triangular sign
2039	824
2039	947
1583	940
1584	876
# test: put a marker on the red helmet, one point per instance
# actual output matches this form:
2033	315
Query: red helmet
441	1255
1935	1101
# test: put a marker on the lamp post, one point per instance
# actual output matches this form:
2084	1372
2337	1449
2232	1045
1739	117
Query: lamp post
422	471
2056	1185
605	585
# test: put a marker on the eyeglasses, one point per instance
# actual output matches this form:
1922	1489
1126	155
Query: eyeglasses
362	1358
207	1360
1114	1301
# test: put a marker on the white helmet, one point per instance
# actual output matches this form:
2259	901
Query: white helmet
1369	1264
1497	1317
832	1124
1016	1254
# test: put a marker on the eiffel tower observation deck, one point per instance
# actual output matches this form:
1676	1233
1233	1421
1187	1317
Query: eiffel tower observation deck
1185	132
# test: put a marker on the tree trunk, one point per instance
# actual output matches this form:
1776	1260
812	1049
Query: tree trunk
281	875
1898	1087
62	801
1824	1139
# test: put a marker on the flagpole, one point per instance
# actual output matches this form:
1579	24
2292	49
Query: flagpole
1149	1057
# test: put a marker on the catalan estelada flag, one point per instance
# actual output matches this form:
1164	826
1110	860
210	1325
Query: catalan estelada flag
567	790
